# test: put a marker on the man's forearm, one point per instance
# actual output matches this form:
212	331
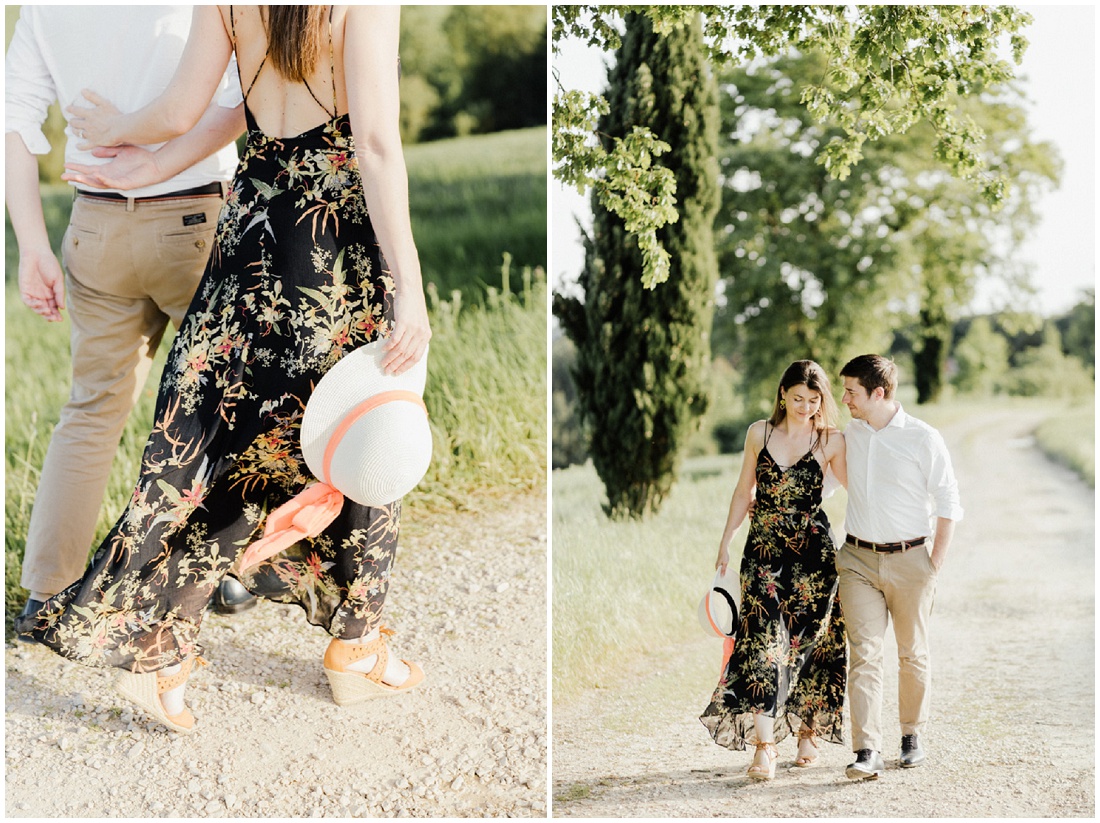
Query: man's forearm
21	194
945	530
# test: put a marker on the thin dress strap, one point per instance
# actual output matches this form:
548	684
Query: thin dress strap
256	76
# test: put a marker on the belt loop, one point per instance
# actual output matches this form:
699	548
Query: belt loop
130	204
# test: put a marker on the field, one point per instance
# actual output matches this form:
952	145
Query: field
623	589
487	385
1068	438
1014	613
474	199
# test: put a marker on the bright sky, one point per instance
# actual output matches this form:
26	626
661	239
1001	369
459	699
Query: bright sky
1059	72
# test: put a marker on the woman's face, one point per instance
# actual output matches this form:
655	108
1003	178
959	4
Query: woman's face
802	402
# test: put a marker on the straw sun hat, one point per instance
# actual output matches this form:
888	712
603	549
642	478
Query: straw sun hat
718	608
365	436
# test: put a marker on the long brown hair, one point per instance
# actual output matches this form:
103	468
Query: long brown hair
808	373
294	37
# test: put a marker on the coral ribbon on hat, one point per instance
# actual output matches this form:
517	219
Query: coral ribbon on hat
727	653
310	512
307	514
370	404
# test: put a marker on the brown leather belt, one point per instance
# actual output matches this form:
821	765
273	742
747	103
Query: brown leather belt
887	548
197	191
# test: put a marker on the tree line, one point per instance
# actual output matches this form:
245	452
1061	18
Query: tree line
864	190
1003	353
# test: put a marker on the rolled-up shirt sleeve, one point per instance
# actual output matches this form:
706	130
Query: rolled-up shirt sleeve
29	88
942	486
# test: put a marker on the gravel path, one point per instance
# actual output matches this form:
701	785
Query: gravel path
468	602
1012	725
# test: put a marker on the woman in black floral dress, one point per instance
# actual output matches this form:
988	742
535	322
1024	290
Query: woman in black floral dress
789	662
297	279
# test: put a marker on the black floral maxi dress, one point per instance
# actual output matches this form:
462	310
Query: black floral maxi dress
790	657
296	281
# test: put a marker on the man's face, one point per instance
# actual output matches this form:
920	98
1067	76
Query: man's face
856	399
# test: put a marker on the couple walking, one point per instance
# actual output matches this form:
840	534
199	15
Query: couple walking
789	666
310	258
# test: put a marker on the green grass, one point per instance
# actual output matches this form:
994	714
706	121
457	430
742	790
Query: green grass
1069	438
473	199
623	587
486	392
486	395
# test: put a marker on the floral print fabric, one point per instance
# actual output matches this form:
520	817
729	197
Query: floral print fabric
295	281
790	656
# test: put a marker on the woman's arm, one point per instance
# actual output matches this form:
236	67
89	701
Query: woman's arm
742	494
182	104
133	167
370	70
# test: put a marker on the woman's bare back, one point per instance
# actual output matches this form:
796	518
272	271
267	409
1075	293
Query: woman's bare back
282	107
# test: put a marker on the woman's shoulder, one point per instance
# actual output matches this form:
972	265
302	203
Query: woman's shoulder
834	441
755	434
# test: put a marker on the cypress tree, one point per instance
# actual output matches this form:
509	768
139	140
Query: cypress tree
643	353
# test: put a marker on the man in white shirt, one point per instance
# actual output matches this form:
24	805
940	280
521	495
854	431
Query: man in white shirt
132	260
899	478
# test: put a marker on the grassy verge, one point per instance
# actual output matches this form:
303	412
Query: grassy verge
486	396
623	587
1069	438
473	199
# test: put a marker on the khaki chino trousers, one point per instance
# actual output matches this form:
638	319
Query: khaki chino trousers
873	589
130	267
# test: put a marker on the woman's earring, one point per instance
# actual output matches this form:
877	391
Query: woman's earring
782	403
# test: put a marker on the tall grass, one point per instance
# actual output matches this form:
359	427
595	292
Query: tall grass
623	587
475	198
1069	438
472	199
486	393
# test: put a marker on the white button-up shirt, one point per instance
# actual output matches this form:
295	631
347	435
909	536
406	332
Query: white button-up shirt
128	54
899	479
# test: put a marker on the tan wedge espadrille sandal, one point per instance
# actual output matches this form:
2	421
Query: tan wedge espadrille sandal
145	690
350	687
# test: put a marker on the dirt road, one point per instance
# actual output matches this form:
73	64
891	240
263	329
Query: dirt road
1013	649
468	601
